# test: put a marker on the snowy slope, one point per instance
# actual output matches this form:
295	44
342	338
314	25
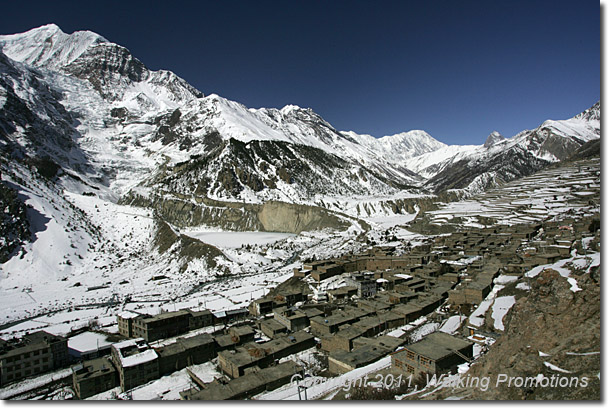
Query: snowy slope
120	128
507	159
48	46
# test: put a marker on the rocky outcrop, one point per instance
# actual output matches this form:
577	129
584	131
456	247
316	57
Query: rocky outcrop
184	248
591	149
493	139
283	217
274	216
551	324
14	225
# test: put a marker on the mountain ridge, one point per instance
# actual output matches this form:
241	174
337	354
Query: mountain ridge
132	125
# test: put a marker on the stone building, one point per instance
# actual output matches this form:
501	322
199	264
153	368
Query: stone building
136	363
261	306
235	363
93	377
230	316
161	326
185	352
58	345
342	294
327	271
365	284
437	353
292	319
125	322
365	327
367	352
242	334
324	326
271	328
199	319
34	353
246	386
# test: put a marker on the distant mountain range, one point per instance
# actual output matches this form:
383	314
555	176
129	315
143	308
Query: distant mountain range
93	119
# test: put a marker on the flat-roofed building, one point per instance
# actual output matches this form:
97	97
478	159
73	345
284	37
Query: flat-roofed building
88	346
136	363
161	326
225	342
271	328
125	322
255	382
365	284
343	339
342	294
324	326
261	306
58	345
93	377
235	363
293	319
242	334
327	271
200	318
25	357
369	351
185	352
437	353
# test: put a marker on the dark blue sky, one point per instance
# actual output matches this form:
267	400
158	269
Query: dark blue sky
457	69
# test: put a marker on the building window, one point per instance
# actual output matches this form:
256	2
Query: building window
410	369
410	355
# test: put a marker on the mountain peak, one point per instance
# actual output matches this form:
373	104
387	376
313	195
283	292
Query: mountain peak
48	46
493	139
289	108
411	138
51	28
409	144
592	113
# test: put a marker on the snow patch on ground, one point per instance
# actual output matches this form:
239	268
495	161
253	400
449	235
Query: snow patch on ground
237	239
500	308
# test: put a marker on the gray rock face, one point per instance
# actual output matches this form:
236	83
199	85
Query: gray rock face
493	138
14	225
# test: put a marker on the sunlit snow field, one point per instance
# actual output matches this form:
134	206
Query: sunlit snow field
226	239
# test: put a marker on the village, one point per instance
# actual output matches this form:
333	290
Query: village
349	312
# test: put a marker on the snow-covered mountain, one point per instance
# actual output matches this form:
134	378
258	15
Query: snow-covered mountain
493	139
503	160
134	135
91	118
